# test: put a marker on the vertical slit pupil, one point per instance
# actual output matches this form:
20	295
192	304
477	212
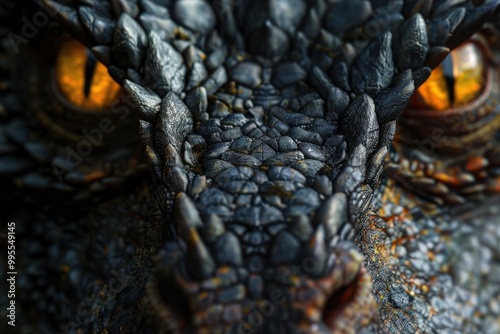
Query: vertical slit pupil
449	78
89	72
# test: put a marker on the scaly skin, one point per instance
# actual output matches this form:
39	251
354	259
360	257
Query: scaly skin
274	206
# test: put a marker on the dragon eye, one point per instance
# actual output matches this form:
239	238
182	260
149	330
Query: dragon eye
82	79
456	82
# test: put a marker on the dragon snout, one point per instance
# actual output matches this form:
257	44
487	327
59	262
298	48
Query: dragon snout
309	278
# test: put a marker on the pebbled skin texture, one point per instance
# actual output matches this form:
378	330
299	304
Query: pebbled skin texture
278	201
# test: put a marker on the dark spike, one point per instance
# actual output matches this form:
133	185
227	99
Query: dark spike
316	253
392	102
473	20
373	68
411	45
359	123
174	122
146	101
176	179
376	166
129	42
164	65
199	262
186	215
100	28
353	174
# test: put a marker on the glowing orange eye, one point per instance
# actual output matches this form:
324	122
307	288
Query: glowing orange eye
456	82
82	79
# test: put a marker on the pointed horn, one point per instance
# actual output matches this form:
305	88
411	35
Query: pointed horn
145	100
316	254
200	263
186	215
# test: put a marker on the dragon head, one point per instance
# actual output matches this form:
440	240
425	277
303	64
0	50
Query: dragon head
266	125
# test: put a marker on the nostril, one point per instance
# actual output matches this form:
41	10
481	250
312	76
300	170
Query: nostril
339	301
352	305
169	315
165	300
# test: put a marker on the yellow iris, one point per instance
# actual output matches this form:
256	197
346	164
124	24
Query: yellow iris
72	76
455	85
